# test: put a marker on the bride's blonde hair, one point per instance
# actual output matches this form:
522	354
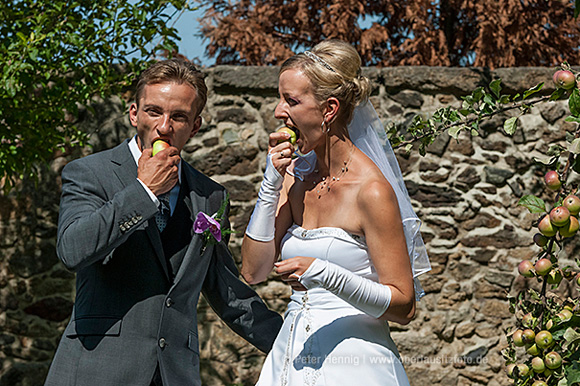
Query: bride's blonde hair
334	70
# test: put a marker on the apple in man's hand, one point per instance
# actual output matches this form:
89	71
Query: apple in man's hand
158	146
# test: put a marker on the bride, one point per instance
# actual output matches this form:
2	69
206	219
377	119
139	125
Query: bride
341	219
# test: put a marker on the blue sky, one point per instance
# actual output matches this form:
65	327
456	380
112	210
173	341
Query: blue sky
190	45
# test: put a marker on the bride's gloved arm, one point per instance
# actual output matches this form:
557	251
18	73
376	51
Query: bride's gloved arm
260	244
368	296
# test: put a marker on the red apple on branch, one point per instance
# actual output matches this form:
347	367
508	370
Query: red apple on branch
564	79
543	266
559	216
552	180
572	203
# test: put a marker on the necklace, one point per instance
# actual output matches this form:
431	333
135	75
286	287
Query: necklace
323	184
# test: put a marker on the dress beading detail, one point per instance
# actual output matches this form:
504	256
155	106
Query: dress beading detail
311	374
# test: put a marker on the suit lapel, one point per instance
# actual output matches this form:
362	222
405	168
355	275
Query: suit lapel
126	172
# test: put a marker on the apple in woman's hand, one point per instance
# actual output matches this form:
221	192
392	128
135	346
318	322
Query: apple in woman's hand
158	146
291	132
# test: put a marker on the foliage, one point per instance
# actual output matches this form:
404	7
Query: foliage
544	313
59	54
437	33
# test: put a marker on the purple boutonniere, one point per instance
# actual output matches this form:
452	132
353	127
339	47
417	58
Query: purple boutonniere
209	226
204	223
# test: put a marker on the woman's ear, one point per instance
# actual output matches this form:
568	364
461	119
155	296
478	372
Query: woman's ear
330	111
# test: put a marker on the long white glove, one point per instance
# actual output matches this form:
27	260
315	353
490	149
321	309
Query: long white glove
368	296
262	223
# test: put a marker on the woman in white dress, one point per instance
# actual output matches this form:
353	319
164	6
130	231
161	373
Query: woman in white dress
341	219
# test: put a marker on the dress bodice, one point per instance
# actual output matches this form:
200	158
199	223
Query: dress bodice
333	244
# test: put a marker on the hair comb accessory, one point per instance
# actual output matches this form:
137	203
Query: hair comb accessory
318	59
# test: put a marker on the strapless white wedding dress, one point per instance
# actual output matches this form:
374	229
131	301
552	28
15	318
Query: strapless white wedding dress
324	340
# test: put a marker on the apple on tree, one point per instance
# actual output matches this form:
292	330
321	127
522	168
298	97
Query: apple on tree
546	228
552	180
544	339
564	79
543	266
571	228
559	216
553	360
526	268
538	365
572	203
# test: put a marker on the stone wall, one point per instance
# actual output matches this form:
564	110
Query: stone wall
465	191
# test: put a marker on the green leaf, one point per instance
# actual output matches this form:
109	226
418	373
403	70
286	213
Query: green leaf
510	125
495	87
557	94
454	131
533	203
574	102
572	371
533	90
575	146
571	336
572	118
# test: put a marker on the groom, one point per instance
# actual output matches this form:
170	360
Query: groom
126	229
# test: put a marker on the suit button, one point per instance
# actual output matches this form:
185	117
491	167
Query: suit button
162	343
169	302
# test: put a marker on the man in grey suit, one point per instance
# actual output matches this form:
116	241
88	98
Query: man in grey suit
138	281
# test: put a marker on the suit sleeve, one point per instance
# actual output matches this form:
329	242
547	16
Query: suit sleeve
236	303
93	222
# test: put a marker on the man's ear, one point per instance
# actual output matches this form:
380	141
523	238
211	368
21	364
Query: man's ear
330	112
196	126
133	114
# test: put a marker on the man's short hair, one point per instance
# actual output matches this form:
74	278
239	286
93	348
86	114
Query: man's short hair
174	70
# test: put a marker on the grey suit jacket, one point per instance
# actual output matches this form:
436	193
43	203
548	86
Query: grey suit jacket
129	313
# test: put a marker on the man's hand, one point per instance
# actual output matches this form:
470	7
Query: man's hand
159	173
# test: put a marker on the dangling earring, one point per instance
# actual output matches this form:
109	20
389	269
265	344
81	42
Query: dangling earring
322	127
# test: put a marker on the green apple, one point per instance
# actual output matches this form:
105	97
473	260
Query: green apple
565	315
539	383
510	370
289	131
533	349
554	277
158	146
529	336
570	228
553	360
546	228
544	339
538	365
523	370
518	338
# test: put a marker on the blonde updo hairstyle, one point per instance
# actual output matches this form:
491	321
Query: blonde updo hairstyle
345	83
